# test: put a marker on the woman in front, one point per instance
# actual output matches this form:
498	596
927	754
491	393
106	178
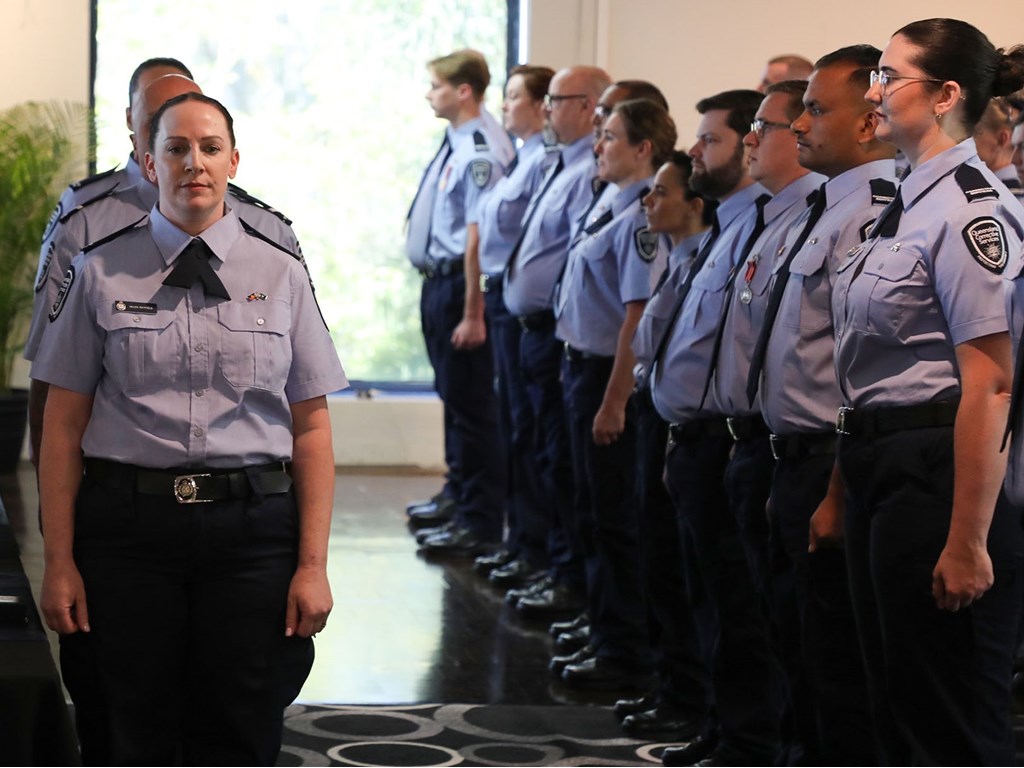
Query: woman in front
923	359
188	365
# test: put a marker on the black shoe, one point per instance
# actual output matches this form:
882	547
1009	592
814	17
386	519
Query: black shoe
568	626
559	663
515	573
437	498
568	642
432	514
664	723
484	564
555	599
425	533
698	749
623	708
513	596
597	674
457	541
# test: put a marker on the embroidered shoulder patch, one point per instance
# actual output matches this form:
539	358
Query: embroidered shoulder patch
54	218
481	171
986	242
44	268
62	294
646	244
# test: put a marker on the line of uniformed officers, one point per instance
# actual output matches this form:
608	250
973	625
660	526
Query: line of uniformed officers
753	401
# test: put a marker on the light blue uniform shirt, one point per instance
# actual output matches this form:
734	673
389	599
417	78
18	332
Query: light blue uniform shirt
180	379
798	390
607	269
678	378
749	297
500	215
530	280
901	304
1008	175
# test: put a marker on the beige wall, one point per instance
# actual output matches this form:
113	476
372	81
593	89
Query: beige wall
693	49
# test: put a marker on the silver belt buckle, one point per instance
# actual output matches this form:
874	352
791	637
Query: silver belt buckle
841	420
484	280
774	441
186	490
730	424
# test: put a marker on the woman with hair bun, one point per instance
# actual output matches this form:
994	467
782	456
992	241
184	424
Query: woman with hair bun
923	359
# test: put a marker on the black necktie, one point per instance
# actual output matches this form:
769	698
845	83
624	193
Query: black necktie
194	264
698	262
755	233
889	221
775	297
535	204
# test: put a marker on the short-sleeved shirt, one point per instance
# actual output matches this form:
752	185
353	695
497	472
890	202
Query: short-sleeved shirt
902	302
500	215
749	297
609	267
798	389
1008	175
679	376
180	379
530	280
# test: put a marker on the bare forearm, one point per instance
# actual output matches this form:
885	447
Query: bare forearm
473	308
60	472
620	383
37	392
313	475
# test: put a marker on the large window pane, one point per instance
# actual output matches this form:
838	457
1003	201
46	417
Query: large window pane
333	129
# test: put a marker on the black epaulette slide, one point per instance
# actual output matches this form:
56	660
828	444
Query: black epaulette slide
974	185
93	179
245	197
882	191
85	204
115	235
480	141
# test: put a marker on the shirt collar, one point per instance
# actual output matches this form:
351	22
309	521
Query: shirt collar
629	194
846	183
737	203
467	128
926	175
793	193
221	236
582	147
689	245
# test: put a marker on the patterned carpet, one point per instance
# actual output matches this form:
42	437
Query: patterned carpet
459	734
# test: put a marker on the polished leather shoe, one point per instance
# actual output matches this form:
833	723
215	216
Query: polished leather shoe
513	596
557	598
568	642
623	708
597	674
699	748
559	627
457	541
432	514
425	533
558	663
484	564
664	723
435	499
515	573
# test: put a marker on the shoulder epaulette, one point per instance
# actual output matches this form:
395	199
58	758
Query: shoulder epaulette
245	197
92	179
251	230
882	191
479	141
115	235
85	203
974	185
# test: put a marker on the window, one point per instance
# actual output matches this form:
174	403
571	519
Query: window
333	130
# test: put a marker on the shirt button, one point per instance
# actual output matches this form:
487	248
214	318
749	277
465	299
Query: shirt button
136	319
259	321
199	347
200	392
198	431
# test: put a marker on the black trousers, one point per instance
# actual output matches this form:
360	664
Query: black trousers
749	686
939	681
605	481
528	514
465	383
818	635
187	661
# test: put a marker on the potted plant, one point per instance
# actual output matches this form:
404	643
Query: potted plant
43	145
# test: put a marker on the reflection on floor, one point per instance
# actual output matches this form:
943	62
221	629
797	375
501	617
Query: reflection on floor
403	630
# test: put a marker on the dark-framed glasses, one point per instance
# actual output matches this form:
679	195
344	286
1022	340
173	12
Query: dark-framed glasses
760	127
551	99
881	78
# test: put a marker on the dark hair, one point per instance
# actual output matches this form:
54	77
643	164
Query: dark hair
684	166
951	49
642	89
148	64
536	79
464	67
741	105
863	58
795	90
154	124
643	119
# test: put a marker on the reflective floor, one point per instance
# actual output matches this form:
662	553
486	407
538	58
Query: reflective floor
403	630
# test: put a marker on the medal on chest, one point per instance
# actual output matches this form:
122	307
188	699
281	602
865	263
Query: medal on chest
747	295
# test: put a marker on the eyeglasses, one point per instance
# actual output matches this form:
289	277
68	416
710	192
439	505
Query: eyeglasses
760	127
881	78
550	100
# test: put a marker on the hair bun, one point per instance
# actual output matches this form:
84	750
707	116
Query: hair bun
1010	73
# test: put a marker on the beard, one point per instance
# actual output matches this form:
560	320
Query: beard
718	182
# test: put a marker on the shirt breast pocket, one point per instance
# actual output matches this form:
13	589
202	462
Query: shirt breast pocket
141	349
255	348
712	283
897	287
808	308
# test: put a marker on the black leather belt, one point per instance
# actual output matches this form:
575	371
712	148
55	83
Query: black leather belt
443	268
191	487
868	421
537	321
698	428
578	355
745	427
490	283
803	444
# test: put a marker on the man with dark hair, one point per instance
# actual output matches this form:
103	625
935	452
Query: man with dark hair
799	397
747	680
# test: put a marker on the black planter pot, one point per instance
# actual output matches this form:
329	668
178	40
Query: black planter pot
13	422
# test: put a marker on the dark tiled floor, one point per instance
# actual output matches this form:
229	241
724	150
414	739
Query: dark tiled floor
403	630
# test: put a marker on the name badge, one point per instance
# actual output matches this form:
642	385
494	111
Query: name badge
135	307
